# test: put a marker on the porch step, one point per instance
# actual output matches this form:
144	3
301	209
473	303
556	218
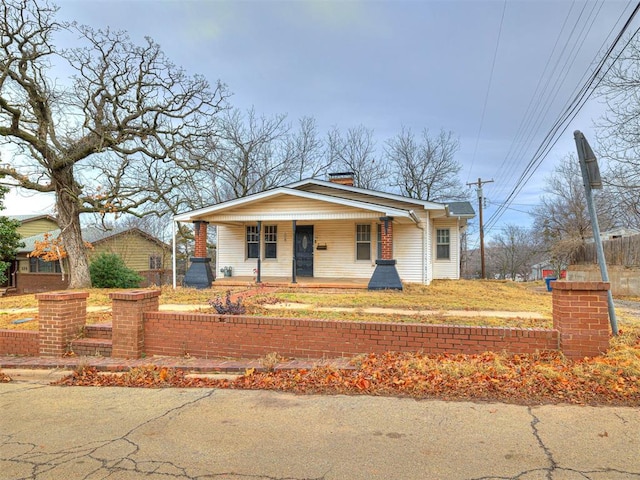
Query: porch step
98	330
92	347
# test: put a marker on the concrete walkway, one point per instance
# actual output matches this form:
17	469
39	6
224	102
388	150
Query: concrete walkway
86	433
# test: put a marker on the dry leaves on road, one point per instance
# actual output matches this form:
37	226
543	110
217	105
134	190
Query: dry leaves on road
521	379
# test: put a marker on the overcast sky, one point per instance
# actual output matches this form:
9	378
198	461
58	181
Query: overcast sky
496	74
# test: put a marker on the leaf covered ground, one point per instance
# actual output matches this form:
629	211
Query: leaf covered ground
611	379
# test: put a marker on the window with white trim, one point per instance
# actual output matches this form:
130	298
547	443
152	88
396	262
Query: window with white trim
443	244
270	241
363	242
253	242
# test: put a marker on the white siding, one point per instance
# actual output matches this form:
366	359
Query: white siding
286	207
446	269
337	261
407	251
232	251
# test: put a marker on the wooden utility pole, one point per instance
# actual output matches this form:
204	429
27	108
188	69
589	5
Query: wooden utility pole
480	202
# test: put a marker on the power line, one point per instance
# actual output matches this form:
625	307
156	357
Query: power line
562	123
486	97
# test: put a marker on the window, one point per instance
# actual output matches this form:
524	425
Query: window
270	241
37	265
379	241
443	242
253	242
363	242
155	262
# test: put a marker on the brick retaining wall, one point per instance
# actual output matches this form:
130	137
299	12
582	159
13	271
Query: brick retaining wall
580	318
204	335
19	342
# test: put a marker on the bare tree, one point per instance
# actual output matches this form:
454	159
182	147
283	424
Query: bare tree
425	168
619	132
513	252
562	218
126	117
305	150
355	152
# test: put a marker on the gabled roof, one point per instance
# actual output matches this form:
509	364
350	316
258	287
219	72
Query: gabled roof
202	213
93	235
302	184
385	204
32	218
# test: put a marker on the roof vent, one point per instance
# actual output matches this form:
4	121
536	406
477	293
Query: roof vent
342	178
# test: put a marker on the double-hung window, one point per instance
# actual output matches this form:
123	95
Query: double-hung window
253	242
270	241
443	244
363	242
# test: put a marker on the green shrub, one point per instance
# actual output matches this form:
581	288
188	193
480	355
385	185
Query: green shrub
109	271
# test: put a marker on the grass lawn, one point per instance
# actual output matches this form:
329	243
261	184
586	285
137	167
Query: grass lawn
437	298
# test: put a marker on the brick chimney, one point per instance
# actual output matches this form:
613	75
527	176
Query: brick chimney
342	178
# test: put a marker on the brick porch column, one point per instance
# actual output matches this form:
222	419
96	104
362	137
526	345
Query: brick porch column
581	315
199	274
128	310
387	239
385	276
61	318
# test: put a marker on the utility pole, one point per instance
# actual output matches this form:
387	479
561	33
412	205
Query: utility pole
480	202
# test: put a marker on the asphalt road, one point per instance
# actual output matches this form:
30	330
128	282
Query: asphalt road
71	433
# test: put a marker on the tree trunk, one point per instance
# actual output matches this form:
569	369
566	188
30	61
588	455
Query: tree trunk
68	213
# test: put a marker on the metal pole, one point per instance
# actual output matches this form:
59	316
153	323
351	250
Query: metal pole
581	145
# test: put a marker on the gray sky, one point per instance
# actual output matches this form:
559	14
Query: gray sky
496	74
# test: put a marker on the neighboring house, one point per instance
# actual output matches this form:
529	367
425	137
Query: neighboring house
620	232
540	271
140	251
29	225
330	229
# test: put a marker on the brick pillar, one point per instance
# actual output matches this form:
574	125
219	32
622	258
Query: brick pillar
385	276
200	231
581	315
199	274
61	318
387	239
128	310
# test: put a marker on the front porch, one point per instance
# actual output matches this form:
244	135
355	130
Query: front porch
302	282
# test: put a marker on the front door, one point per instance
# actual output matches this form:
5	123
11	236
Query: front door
304	251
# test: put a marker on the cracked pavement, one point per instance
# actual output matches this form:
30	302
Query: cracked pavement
49	432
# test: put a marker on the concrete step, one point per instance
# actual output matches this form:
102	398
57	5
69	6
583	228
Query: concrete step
92	347
98	330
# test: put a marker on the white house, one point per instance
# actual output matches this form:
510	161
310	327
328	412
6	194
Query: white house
331	229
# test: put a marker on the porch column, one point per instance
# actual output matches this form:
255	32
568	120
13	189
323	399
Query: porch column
385	276
199	274
258	272
293	261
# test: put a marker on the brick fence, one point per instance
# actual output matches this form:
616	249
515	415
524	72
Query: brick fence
580	319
